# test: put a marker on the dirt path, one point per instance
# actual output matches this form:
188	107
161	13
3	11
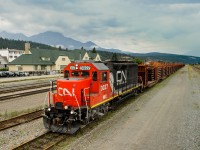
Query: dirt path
167	117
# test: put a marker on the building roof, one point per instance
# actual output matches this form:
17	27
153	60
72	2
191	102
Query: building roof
49	57
92	55
39	57
76	54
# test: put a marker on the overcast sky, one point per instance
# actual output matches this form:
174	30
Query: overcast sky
133	25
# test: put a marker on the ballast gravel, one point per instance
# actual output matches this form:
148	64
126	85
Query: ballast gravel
13	137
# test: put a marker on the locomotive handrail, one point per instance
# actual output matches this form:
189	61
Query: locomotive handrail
86	100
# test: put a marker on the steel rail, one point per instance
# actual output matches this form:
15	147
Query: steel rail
22	87
12	122
24	93
44	142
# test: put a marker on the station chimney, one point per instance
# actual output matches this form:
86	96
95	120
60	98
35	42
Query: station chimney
27	48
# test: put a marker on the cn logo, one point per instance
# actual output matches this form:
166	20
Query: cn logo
64	92
120	77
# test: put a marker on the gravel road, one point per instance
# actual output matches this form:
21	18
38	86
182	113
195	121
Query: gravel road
167	117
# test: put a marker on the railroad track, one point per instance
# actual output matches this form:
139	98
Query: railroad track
22	93
44	142
21	87
20	119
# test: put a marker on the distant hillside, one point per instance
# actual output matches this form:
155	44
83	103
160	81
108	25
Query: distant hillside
54	39
107	54
167	57
17	44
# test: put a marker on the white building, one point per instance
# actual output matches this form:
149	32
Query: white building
11	54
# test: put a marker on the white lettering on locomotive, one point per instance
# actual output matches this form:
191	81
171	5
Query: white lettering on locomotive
84	67
120	77
104	87
72	67
64	92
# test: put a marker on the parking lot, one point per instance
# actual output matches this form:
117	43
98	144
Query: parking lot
5	74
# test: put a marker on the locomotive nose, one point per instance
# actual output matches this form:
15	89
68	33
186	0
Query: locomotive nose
70	92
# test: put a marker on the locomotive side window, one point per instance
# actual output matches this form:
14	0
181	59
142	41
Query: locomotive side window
66	74
75	74
94	76
104	76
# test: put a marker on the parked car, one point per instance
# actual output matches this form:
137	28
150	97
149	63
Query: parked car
21	73
26	73
9	74
2	73
18	73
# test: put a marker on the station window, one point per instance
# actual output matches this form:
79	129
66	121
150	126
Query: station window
36	67
104	76
43	67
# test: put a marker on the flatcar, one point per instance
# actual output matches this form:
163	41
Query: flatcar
89	89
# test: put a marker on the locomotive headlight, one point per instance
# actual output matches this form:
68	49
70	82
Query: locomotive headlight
49	109
66	107
72	112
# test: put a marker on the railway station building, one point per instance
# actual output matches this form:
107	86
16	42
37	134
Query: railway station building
49	60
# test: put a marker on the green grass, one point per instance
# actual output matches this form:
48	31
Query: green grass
8	115
196	105
189	73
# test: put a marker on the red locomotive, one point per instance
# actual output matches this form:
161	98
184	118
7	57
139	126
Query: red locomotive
89	89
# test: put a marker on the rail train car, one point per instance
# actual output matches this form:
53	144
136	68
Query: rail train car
153	72
88	91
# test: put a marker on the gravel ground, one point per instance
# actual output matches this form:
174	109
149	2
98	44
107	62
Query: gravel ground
22	103
13	137
166	117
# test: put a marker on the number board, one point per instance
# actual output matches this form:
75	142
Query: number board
84	67
72	67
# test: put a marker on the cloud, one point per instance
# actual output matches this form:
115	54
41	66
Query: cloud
131	25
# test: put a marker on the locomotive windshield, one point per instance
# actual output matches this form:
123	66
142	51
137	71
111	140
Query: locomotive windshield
80	74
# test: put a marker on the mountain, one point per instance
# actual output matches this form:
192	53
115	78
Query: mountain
57	39
167	57
193	53
50	38
13	36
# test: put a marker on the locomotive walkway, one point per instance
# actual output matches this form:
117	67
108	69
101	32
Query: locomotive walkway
165	117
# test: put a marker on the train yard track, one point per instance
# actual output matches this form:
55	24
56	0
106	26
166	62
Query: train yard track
21	87
45	141
20	119
23	90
